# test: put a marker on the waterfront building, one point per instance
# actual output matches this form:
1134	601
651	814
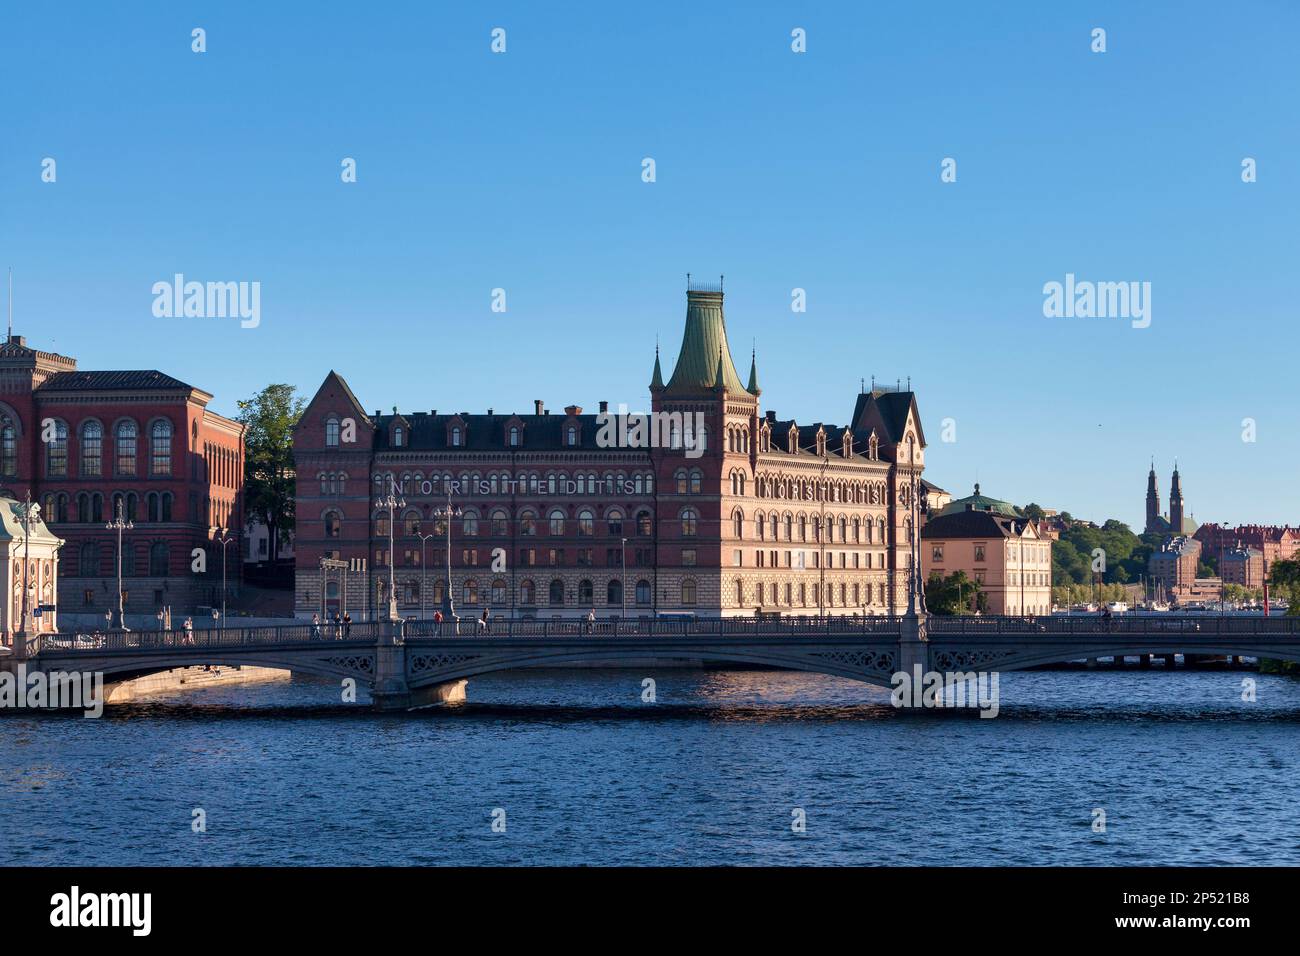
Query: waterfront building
560	513
1006	553
1273	542
1174	564
1242	565
84	442
29	560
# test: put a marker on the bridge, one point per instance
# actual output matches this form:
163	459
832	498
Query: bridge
415	663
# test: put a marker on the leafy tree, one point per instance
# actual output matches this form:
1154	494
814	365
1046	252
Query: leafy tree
269	418
1284	581
1033	512
951	594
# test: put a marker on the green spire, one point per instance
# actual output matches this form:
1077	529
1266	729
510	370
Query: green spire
752	387
657	380
704	342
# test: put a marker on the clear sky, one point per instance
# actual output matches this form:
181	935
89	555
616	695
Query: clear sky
820	170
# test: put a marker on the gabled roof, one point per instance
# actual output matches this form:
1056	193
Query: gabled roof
891	409
976	524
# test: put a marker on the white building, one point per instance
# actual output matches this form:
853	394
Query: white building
39	554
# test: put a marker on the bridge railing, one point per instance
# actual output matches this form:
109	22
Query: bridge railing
122	640
634	628
1093	625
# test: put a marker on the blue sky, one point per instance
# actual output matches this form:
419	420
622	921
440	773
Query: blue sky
818	171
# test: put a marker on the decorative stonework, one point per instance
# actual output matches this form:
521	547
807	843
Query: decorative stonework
362	664
959	660
879	662
423	663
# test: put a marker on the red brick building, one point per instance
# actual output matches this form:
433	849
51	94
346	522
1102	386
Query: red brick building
735	510
85	442
1273	542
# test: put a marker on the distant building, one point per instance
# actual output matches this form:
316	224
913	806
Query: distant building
1005	553
40	555
1244	566
1176	522
1273	542
1174	564
935	499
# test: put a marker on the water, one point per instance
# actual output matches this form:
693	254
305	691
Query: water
586	773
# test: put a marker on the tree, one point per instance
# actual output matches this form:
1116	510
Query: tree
1284	579
950	595
1033	512
269	418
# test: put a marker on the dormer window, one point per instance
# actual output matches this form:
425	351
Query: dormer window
571	436
397	436
455	436
514	436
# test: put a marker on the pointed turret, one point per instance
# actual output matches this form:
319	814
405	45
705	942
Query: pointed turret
1153	500
1176	503
704	347
657	380
752	387
719	379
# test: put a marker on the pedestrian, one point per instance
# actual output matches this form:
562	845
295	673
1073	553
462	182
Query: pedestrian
315	627
347	625
591	621
189	631
483	622
338	625
437	619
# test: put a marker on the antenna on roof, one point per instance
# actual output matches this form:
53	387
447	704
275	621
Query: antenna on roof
11	304
909	383
688	282
720	278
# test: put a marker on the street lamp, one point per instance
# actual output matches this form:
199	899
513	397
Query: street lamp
119	524
28	511
623	581
446	515
391	501
225	539
424	538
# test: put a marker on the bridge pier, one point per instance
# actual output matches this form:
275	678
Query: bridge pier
392	691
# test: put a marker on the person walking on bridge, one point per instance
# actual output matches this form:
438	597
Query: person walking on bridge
591	621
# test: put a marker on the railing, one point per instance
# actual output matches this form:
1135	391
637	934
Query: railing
719	628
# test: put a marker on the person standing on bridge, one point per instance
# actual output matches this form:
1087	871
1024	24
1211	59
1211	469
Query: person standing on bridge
591	621
315	627
347	625
483	625
189	631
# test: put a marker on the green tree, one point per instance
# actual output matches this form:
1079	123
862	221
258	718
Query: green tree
269	418
1032	511
1284	581
952	594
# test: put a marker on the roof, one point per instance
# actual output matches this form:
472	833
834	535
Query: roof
118	380
979	502
890	409
429	432
975	524
704	347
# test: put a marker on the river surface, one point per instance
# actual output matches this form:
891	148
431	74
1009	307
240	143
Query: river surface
581	771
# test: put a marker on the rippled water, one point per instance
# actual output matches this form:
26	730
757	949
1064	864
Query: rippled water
709	774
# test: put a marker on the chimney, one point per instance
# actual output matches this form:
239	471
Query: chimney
604	407
537	406
771	415
489	413
573	410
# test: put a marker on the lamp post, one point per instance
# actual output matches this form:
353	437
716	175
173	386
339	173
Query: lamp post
28	511
623	581
446	515
119	524
392	500
225	540
424	538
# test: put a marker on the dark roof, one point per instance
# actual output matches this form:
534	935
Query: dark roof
489	432
974	524
892	408
129	379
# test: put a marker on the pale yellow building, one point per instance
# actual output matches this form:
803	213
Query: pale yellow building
1004	552
40	556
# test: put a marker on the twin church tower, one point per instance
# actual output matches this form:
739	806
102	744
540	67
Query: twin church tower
1175	522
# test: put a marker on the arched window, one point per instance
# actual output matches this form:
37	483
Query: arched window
83	508
643	523
160	448
557	521
56	451
455	436
470	527
514	436
469	592
498	591
332	432
789	526
397	436
688	592
527	523
97	507
411	524
615	521
680	478
528	593
738	525
88	562
614	592
689	521
166	506
500	523
92	449
586	594
8	451
125	447
571	435
740	592
557	592
695	481
586	523
643	593
333	524
159	558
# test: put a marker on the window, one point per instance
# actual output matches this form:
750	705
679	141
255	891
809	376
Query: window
615	519
455	436
586	523
397	436
614	592
680	478
688	592
92	449
8	451
557	522
586	593
331	432
514	436
333	524
936	553
528	593
88	562
126	435
158	559
556	595
56	451
469	593
160	448
643	593
527	523
696	477
688	557
689	522
643	526
500	524
498	591
979	552
738	525
571	436
471	524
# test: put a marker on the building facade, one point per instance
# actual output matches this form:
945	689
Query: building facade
1174	565
1004	552
88	443
1243	566
1273	542
708	505
29	561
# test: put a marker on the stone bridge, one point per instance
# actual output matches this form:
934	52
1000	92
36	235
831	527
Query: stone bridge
417	663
